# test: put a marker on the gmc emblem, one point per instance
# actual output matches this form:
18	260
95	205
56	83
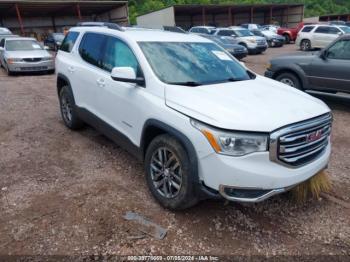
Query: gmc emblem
316	135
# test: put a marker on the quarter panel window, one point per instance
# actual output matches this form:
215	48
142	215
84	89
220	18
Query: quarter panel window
91	48
69	41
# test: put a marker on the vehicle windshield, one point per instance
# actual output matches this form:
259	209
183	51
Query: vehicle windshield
192	64
4	31
22	45
243	33
346	29
58	37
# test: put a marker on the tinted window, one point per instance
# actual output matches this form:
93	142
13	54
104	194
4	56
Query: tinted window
2	43
194	30
91	48
322	30
69	41
340	50
334	30
118	54
226	32
307	29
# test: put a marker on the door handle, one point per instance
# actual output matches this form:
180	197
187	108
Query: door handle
101	82
71	69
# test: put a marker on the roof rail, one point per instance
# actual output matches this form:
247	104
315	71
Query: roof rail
102	24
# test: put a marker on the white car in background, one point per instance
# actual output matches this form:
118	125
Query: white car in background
319	35
203	124
254	44
202	30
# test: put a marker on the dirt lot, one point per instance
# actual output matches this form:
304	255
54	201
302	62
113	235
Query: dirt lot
65	192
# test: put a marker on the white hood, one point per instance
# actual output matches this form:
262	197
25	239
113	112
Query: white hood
255	105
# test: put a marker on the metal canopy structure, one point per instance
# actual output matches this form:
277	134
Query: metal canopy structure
225	15
339	17
29	9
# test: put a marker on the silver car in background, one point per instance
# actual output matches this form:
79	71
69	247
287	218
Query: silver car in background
25	55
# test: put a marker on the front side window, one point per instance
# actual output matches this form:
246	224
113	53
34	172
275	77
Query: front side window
334	30
192	63
22	45
339	50
91	48
69	41
118	54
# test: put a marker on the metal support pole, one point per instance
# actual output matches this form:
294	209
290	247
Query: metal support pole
251	15
230	16
271	15
203	16
53	24
19	19
78	12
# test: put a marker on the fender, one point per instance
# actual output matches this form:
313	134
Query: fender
295	69
62	76
186	143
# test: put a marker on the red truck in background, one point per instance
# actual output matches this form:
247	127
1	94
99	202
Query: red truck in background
290	34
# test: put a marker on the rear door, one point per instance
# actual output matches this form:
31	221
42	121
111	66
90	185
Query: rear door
320	36
332	73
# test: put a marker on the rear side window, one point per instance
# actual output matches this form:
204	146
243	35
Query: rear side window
69	41
322	30
307	29
91	48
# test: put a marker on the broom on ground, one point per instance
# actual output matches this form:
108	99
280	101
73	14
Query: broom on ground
312	188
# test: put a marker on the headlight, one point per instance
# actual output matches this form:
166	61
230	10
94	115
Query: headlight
14	60
232	143
268	66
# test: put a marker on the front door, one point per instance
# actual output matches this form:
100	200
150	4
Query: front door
332	72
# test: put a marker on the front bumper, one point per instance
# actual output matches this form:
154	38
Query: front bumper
257	49
31	66
257	173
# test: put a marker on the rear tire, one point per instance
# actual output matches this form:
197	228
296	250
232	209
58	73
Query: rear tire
305	45
169	174
68	109
289	79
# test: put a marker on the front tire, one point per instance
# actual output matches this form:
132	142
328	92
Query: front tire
68	109
287	38
289	79
169	174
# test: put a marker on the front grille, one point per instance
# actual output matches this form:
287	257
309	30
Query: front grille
32	59
261	42
301	143
34	68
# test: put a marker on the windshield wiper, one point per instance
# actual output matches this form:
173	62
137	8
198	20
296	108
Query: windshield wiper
188	83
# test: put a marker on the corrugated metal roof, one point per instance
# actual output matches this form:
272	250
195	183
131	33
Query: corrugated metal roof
31	8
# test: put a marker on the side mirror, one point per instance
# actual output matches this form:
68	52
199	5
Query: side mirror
324	54
126	74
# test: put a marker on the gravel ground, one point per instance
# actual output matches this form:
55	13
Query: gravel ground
64	192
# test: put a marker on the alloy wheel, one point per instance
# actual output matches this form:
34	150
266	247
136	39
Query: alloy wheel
288	81
66	108
166	172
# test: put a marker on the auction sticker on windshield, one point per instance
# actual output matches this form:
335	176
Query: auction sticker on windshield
221	55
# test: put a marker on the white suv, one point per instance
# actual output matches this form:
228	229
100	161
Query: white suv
319	35
254	44
204	125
